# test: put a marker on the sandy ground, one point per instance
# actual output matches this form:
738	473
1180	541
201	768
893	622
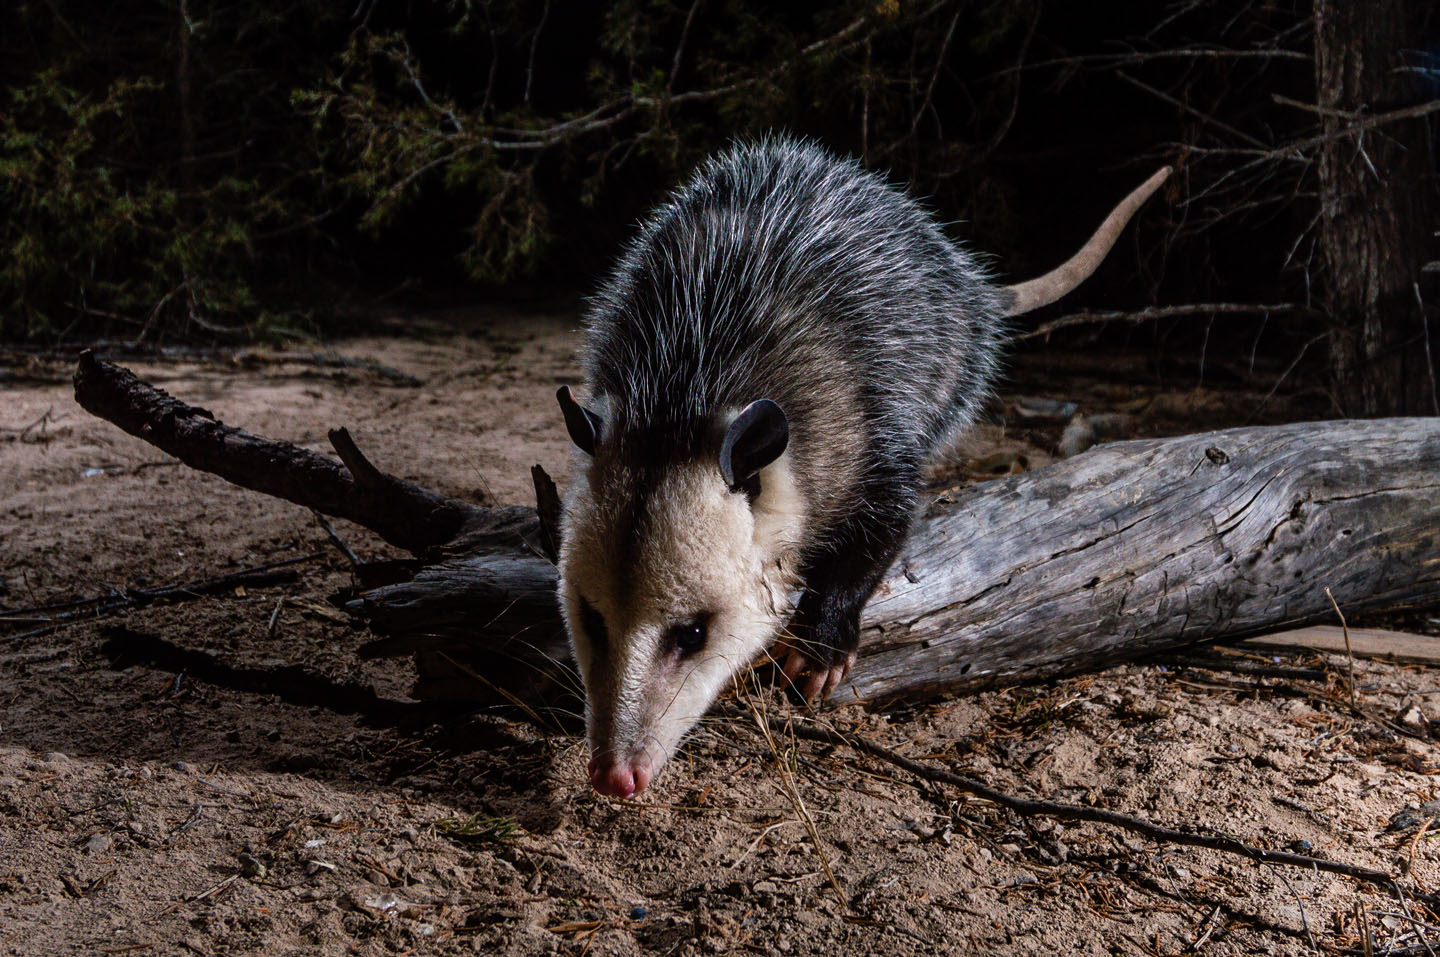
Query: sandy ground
237	808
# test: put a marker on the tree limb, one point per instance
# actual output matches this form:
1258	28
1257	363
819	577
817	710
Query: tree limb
400	512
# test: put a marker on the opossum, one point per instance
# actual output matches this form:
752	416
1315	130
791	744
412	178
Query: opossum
768	369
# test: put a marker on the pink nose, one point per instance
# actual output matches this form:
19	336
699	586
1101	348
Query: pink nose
622	777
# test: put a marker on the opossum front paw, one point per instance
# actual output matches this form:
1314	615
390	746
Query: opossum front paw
808	678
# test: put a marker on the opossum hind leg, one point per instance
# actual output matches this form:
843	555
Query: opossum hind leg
818	649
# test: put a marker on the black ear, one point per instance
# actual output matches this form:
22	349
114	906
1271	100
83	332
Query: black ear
582	424
756	438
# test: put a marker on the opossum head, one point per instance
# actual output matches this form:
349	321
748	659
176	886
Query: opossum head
675	573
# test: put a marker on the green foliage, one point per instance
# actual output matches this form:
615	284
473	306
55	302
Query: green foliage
477	830
139	173
174	169
533	132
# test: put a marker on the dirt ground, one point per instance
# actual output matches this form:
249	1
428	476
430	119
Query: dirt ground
273	794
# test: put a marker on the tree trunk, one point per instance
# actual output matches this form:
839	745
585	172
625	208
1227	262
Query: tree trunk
1376	200
1127	550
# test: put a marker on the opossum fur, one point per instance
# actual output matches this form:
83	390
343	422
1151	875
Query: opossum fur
778	272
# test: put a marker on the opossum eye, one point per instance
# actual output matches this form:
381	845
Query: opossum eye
594	626
688	637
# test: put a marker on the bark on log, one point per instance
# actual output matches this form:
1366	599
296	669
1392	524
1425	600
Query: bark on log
1124	551
1127	550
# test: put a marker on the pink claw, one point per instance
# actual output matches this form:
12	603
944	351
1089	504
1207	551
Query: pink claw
813	681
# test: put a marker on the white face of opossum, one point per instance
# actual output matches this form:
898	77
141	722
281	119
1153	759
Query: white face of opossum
672	581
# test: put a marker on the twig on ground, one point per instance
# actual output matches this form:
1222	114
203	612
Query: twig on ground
1419	833
1070	812
335	537
93	609
1304	923
400	512
274	623
203	895
1362	922
1409	915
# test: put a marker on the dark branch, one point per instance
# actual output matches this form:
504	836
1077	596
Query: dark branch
1070	812
400	512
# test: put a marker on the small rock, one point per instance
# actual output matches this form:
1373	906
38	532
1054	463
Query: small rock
99	844
384	902
1078	436
183	767
1412	716
315	867
1407	818
637	913
55	757
251	866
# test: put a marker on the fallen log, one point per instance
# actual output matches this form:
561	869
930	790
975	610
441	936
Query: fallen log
1122	552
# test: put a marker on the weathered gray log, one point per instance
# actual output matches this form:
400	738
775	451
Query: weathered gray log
1127	550
1141	546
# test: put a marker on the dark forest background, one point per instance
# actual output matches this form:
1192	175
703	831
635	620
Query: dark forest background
194	171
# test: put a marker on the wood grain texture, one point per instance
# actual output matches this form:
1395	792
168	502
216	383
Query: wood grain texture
1397	646
1122	552
1140	546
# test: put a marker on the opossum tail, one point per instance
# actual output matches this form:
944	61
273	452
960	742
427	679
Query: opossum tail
1026	296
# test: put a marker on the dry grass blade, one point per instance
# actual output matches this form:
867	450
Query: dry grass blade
754	703
1071	812
1349	652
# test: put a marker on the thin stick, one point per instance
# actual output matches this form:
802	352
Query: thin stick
1429	359
1187	108
335	537
1071	812
1419	833
1349	653
1416	925
1157	312
181	592
1299	904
